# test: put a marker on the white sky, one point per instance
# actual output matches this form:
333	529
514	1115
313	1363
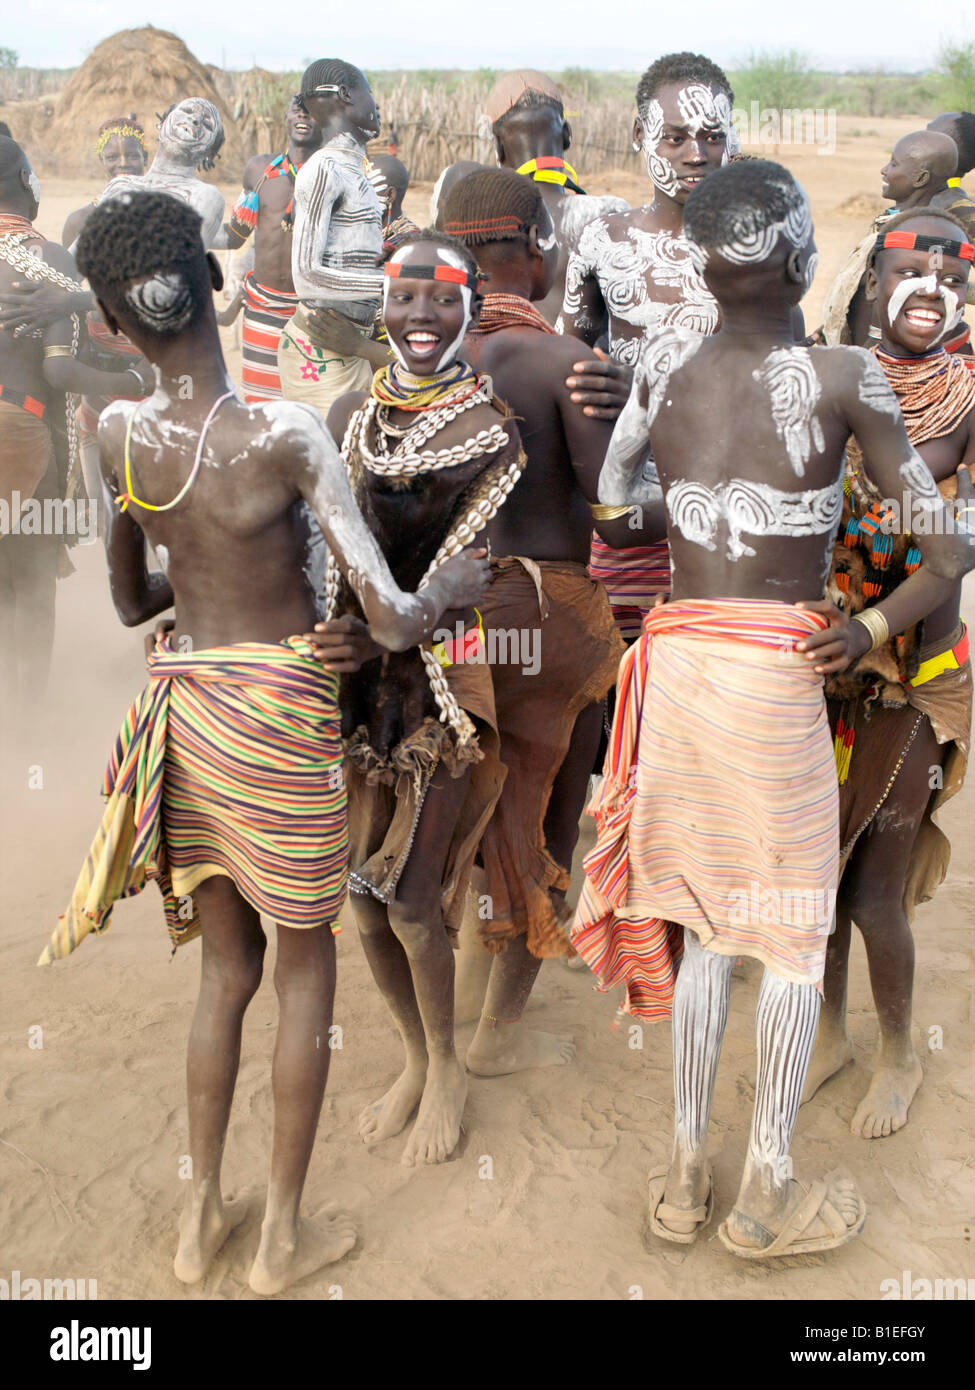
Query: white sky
608	34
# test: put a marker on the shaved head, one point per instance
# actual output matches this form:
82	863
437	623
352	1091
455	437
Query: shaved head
931	150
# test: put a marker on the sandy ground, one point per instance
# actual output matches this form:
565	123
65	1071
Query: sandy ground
93	1121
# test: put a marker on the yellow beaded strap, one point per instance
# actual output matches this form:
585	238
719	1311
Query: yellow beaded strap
129	496
550	169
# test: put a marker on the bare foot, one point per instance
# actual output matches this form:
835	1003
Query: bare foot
757	1220
884	1108
831	1053
388	1115
437	1130
286	1257
512	1047
203	1228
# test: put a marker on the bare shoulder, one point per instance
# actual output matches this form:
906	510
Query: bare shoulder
112	424
254	168
291	428
341	413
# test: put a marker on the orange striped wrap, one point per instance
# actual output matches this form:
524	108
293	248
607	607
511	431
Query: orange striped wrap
718	807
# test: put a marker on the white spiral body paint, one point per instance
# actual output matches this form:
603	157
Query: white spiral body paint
753	240
702	111
163	303
930	286
34	184
450	258
791	381
809	273
874	390
916	475
751	508
628	475
662	173
628	272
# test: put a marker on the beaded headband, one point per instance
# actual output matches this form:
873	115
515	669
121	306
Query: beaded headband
550	168
123	132
918	241
453	275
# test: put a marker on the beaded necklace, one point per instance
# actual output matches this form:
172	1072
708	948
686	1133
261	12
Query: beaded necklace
501	311
935	392
399	389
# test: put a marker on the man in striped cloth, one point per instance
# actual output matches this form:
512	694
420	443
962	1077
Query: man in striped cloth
226	782
265	209
718	826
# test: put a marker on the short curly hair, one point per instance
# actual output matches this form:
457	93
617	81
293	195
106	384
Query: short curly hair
958	230
138	236
751	194
963	134
681	67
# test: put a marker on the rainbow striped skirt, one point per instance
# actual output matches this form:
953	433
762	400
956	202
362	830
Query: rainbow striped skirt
718	808
229	762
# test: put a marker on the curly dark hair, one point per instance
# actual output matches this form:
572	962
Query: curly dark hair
681	67
140	235
756	191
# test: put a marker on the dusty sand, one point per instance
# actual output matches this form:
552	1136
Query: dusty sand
93	1123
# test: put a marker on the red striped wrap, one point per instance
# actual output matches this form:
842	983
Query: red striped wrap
718	806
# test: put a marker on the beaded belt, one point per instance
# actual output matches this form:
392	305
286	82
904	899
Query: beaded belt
29	403
949	660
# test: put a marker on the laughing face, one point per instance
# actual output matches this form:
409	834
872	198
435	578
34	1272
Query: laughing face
919	294
302	129
426	319
683	133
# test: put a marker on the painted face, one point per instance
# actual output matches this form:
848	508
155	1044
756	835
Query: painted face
918	300
898	174
425	319
123	155
683	133
302	129
191	129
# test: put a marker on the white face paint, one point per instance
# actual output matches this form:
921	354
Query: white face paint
191	129
662	173
751	508
809	273
34	184
163	303
929	285
792	383
450	258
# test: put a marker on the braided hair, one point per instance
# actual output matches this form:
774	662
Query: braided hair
494	205
331	72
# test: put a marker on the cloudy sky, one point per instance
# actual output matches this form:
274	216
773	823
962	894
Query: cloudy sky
607	34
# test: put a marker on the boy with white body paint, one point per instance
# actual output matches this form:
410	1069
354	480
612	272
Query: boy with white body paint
902	717
720	784
190	136
337	237
633	272
233	753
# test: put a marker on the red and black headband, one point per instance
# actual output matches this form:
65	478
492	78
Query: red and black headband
453	275
918	241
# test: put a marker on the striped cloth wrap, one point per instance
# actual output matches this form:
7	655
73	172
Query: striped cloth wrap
633	580
266	312
718	806
229	762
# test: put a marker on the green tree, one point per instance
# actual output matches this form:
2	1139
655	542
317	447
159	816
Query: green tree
777	79
8	58
957	62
